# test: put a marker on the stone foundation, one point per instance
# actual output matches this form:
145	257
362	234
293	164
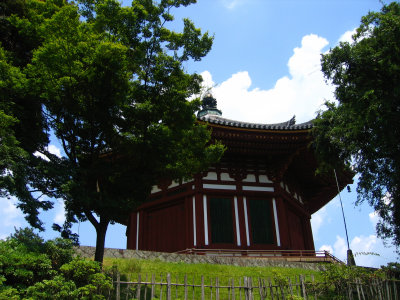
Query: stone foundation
88	252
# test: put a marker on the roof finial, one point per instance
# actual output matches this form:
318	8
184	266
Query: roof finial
209	101
209	106
291	122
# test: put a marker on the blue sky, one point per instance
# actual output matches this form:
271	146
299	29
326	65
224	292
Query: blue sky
264	67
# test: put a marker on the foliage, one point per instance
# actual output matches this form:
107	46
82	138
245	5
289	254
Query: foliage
27	238
32	268
362	127
22	268
24	129
392	270
337	278
10	152
280	279
59	251
56	288
109	82
294	297
8	293
79	279
25	258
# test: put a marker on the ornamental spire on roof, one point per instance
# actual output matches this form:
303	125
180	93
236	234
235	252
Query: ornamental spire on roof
209	106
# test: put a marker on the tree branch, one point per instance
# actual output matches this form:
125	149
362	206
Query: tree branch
92	219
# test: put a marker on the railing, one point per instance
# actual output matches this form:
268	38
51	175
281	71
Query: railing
245	288
301	255
248	288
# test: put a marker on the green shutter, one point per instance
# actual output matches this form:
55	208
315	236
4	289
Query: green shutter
261	221
221	220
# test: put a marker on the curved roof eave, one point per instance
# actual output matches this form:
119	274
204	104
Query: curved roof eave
284	126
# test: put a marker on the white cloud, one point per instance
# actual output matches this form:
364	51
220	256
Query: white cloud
52	149
369	251
41	155
364	243
307	57
59	217
10	212
340	248
373	217
347	36
317	220
387	199
301	94
10	216
326	248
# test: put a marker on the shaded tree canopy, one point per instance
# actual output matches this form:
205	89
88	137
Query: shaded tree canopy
363	126
23	130
113	90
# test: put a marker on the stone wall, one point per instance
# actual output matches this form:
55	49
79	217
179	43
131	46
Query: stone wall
88	252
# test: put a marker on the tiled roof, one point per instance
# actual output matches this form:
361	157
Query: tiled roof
289	125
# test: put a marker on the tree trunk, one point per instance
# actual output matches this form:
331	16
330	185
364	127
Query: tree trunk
101	230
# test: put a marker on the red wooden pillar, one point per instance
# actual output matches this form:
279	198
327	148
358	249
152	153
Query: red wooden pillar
238	240
283	223
242	222
192	232
189	222
142	234
131	231
198	198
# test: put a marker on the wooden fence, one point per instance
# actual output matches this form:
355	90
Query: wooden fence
248	288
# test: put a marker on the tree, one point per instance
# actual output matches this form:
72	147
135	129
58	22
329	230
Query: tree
23	130
115	94
10	152
363	127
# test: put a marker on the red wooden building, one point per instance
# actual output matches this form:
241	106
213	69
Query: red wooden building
260	196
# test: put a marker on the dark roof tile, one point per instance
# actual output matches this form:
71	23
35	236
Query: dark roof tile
288	125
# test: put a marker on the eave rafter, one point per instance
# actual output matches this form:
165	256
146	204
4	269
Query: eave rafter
285	155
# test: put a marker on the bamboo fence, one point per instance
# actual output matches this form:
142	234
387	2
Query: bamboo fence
247	288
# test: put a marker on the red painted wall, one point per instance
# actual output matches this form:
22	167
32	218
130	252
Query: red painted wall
131	232
165	229
166	224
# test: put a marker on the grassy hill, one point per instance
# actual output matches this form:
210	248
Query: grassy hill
133	267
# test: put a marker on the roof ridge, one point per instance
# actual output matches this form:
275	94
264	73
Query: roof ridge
288	125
